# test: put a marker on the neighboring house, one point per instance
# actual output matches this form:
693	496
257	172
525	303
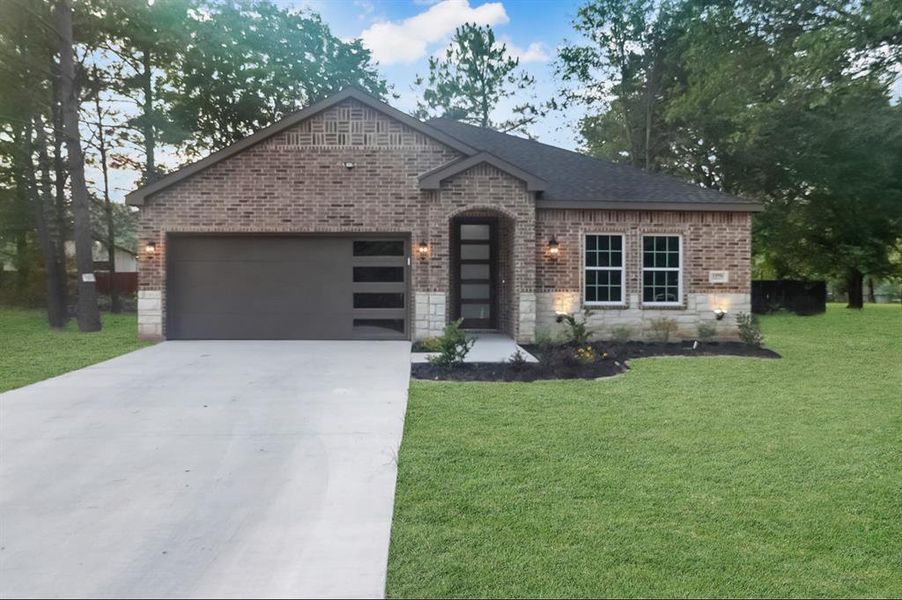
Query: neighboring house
351	219
126	260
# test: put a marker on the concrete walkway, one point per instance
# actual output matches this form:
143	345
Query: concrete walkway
205	469
489	347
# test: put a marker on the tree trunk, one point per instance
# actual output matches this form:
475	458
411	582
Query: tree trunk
60	222
150	166
54	264
107	206
854	283
649	101
88	313
872	298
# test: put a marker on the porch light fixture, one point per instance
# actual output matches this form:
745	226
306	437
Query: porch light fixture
719	314
553	247
349	165
150	248
423	250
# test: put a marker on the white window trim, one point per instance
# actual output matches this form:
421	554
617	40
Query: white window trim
643	269
622	269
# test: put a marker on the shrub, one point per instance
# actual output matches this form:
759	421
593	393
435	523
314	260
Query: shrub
706	330
452	346
545	338
585	354
662	329
577	330
430	344
517	360
749	331
622	333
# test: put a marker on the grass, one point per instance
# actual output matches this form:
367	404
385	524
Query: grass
30	351
685	477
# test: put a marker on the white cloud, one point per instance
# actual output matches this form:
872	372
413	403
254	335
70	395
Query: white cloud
536	52
408	40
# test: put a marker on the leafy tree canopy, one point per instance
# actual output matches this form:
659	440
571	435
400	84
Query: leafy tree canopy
473	77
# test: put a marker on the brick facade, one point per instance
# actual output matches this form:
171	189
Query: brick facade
297	181
712	241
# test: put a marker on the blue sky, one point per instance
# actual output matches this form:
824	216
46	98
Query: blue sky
403	34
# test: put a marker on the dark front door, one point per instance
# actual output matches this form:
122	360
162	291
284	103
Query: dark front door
286	287
476	273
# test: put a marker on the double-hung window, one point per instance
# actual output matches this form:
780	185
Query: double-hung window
603	267
662	261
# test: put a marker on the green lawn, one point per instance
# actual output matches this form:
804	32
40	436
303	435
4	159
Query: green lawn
685	477
30	351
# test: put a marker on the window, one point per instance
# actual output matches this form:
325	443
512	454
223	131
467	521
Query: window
379	248
603	269
378	274
661	264
378	300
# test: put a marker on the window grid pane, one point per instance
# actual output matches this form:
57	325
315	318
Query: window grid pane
661	269
603	268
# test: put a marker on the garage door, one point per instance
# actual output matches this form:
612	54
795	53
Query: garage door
286	287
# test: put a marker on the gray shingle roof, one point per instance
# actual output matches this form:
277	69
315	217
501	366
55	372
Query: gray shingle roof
575	180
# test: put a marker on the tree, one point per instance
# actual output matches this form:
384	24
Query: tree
27	41
783	101
624	68
99	141
474	76
146	39
249	63
87	311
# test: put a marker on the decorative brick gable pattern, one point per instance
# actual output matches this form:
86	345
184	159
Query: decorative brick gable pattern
350	124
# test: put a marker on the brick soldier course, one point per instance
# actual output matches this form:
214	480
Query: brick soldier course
353	164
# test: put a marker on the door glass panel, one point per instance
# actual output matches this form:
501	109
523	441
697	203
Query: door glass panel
474	291
474	271
379	248
475	311
378	274
474	232
373	300
379	325
474	251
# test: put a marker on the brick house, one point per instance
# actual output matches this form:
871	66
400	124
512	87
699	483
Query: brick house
351	219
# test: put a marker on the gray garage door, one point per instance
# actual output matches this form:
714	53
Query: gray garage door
286	287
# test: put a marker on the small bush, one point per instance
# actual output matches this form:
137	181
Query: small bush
749	331
706	330
662	329
585	354
517	360
545	338
577	330
430	344
452	346
622	333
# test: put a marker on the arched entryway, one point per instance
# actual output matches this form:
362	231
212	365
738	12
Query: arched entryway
481	270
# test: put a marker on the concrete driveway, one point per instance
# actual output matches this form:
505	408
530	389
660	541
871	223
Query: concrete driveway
205	469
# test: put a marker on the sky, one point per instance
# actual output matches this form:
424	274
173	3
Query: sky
403	34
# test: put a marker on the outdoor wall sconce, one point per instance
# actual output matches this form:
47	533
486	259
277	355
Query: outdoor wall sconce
150	248
553	247
719	314
423	250
349	165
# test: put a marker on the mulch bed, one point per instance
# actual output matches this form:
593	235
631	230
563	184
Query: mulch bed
559	361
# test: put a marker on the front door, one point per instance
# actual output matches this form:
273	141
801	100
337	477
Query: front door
476	273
